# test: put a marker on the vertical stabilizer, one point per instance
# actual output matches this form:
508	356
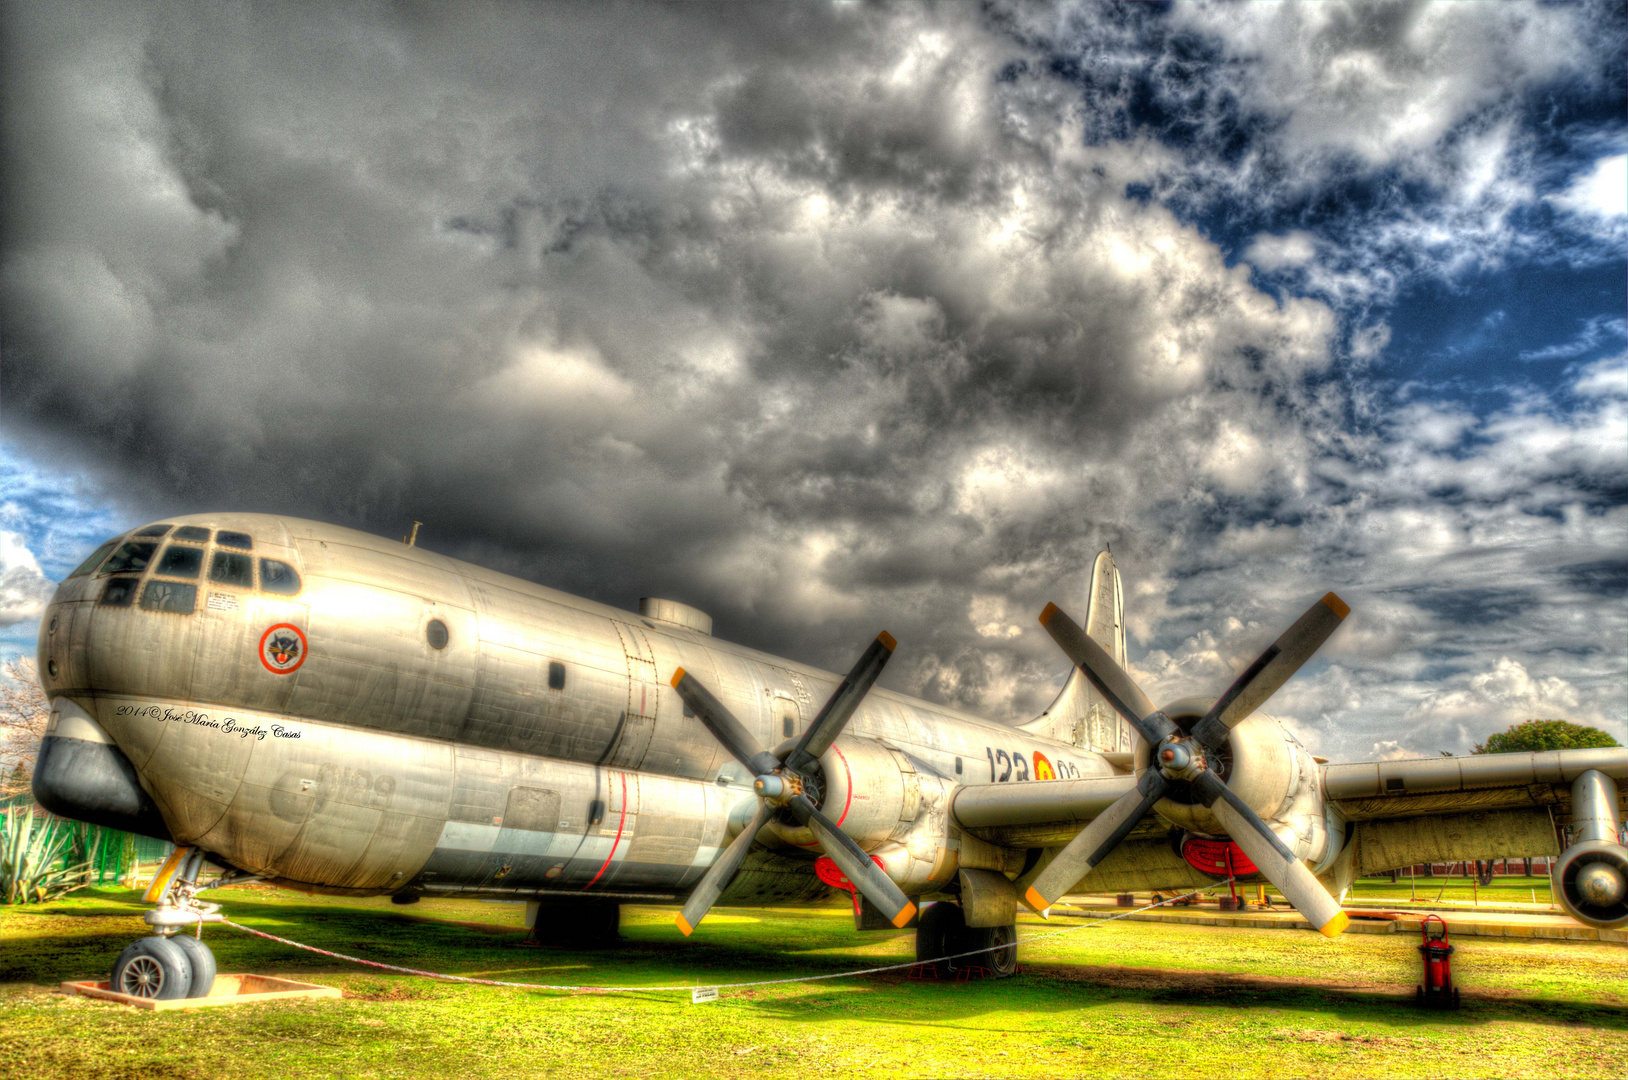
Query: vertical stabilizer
1079	715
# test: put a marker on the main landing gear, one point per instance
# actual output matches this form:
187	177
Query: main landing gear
943	932
171	964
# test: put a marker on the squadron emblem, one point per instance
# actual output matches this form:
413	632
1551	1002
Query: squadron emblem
282	648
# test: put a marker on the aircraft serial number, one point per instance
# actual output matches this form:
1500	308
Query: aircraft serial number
1013	765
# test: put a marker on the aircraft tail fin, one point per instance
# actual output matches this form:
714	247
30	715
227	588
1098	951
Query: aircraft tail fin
1079	715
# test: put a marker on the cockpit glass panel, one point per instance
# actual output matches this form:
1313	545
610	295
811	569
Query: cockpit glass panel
237	540
132	557
171	596
192	532
230	568
95	559
181	560
153	530
278	577
119	591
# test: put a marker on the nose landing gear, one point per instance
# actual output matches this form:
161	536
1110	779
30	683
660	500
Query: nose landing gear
170	965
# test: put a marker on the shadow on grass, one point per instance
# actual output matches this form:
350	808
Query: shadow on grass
82	938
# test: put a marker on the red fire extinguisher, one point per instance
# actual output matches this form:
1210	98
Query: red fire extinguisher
1437	991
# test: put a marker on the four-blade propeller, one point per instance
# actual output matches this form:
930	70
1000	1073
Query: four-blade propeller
786	783
1181	757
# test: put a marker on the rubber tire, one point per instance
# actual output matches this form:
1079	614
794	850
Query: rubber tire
1002	964
202	961
942	931
165	963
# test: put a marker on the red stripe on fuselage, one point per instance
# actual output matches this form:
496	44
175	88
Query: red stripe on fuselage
620	821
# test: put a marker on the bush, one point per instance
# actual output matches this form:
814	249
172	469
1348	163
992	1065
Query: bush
31	851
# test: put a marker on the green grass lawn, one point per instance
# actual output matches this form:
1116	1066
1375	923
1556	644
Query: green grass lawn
1124	999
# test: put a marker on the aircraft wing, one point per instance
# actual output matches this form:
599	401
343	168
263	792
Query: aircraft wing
1047	813
1379	815
1375	790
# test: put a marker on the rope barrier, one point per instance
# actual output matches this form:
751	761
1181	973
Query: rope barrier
715	986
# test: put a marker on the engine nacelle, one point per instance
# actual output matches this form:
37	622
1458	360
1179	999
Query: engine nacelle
1271	772
875	795
1258	763
1590	878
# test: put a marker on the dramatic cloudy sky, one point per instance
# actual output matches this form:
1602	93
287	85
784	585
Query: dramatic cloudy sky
835	318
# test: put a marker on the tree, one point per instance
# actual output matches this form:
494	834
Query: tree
1536	735
23	713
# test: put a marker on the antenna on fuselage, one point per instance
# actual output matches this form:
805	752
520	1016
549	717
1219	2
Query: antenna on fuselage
411	540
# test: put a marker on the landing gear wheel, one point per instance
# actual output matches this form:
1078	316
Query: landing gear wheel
941	932
1002	962
202	961
154	967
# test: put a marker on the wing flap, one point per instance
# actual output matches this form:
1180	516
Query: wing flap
1369	790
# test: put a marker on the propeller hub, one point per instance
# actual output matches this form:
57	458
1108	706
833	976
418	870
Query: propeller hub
1180	758
778	787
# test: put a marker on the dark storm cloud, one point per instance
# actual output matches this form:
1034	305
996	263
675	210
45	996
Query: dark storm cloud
823	318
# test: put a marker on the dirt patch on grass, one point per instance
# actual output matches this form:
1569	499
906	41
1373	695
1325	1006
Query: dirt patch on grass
1306	1035
391	991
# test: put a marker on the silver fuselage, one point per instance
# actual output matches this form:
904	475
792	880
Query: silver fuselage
538	747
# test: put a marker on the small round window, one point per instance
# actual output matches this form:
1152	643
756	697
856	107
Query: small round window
436	632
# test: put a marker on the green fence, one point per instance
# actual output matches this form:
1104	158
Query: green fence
108	854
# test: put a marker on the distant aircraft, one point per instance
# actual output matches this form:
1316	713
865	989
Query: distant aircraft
335	712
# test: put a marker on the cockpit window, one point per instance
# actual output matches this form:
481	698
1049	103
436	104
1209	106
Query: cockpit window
133	556
192	532
237	540
119	592
278	577
95	559
181	561
230	568
171	596
153	530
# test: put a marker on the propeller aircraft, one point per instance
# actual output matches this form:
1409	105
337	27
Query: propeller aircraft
332	711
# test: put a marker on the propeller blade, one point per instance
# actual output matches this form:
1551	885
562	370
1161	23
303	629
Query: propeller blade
1094	842
1271	670
839	707
1274	860
712	884
857	866
722	723
1108	677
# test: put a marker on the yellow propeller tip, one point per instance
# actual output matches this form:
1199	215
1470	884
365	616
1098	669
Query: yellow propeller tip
1038	903
887	641
1336	605
902	919
685	927
1335	926
678	677
1046	616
